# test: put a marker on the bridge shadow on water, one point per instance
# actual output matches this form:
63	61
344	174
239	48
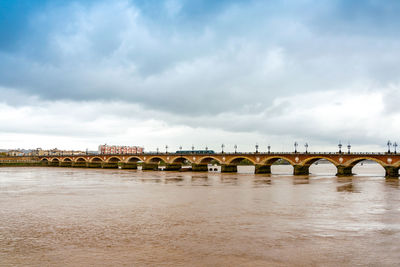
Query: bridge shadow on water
348	187
262	181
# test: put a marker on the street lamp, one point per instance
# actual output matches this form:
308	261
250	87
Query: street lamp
395	145
235	148
222	146
166	149
295	147
306	146
206	149
340	147
269	149
192	148
348	148
389	144
158	150
256	148
180	149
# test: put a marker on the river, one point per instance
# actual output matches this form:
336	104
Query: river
95	217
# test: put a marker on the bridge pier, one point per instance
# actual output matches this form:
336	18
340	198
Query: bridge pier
228	168
173	167
129	165
44	163
150	166
300	161
79	164
199	167
344	170
109	165
94	165
300	170
391	172
53	164
65	164
262	169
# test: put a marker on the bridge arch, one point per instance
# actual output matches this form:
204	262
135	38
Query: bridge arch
385	168
55	160
269	167
155	159
133	159
44	160
329	169
353	162
208	159
271	160
237	160
67	160
309	161
114	159
96	159
397	164
181	159
80	159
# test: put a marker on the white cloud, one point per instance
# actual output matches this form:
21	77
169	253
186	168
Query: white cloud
309	117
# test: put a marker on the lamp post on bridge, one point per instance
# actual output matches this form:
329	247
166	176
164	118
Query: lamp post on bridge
389	144
348	148
395	145
306	146
222	146
256	148
158	150
295	147
192	149
180	149
206	149
166	149
235	149
269	149
340	147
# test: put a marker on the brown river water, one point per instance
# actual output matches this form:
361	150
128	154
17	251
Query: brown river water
96	217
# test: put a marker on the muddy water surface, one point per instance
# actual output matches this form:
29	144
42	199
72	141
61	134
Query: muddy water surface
85	217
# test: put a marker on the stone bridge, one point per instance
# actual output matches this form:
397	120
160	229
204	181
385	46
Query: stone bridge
301	162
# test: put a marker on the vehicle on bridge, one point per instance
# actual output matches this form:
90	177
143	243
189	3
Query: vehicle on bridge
195	152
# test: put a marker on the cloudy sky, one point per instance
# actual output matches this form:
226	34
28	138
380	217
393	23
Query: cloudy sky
76	74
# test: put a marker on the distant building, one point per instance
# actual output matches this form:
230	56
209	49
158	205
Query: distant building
55	152
106	149
15	153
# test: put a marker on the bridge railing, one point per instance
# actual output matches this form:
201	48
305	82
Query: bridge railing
265	153
218	153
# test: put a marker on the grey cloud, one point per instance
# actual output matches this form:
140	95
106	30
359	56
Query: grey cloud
242	72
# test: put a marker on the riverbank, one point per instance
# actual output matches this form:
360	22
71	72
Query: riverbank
22	164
